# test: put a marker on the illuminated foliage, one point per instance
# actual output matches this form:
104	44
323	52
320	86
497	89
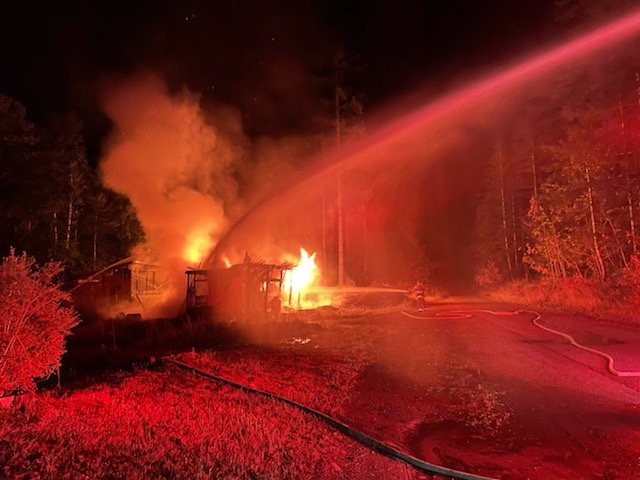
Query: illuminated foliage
561	196
34	321
488	275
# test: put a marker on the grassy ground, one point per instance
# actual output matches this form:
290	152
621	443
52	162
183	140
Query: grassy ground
166	423
613	301
475	394
322	382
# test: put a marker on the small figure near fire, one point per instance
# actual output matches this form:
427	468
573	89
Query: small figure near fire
419	292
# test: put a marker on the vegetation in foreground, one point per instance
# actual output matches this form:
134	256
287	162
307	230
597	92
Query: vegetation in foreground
171	424
35	318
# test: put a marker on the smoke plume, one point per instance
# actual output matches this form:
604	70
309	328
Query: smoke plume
175	167
190	171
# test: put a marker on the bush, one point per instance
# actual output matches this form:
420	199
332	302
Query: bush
578	294
629	283
488	275
34	321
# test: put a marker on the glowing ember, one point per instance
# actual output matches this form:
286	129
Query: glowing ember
198	245
298	280
227	262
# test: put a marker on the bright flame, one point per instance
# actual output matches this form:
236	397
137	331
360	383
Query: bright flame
198	244
302	275
226	261
298	281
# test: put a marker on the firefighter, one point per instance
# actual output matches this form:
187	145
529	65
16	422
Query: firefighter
420	292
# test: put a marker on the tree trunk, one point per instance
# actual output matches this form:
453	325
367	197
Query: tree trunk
505	236
552	245
560	260
95	241
340	234
594	233
534	170
614	234
324	228
69	223
365	244
632	222
624	157
514	233
70	209
338	94
635	157
55	233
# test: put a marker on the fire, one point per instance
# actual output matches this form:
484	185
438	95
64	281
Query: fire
298	281
227	262
302	275
198	244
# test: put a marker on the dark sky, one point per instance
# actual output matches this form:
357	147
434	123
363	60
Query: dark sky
266	58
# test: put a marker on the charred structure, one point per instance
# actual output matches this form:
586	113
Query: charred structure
248	290
128	285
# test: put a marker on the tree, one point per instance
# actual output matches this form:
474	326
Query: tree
506	191
18	138
34	320
562	192
52	203
347	110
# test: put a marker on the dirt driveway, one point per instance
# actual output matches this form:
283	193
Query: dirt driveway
494	395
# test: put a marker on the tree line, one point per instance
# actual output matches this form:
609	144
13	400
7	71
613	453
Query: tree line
53	205
561	197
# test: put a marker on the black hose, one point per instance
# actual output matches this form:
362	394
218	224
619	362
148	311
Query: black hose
364	439
458	314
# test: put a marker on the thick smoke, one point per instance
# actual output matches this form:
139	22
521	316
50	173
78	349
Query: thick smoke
175	167
190	171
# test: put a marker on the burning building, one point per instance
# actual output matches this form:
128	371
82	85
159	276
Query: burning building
127	286
252	290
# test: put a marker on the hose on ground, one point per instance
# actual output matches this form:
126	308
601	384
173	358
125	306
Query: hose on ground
357	435
610	362
458	314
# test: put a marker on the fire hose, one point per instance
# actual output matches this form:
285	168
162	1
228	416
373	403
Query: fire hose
381	447
357	435
456	314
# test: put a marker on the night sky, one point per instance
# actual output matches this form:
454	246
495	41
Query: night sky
269	59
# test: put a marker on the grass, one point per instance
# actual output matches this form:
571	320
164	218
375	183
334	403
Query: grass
170	424
323	382
610	300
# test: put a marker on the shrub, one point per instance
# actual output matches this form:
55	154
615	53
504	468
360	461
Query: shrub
629	283
34	321
575	293
488	275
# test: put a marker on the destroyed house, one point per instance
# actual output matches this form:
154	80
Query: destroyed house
125	282
249	290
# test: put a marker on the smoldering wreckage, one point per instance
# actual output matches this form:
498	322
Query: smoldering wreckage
248	290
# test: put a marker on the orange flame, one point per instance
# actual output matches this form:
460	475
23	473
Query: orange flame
198	244
298	282
302	275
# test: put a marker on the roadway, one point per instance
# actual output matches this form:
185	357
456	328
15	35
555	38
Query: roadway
495	395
